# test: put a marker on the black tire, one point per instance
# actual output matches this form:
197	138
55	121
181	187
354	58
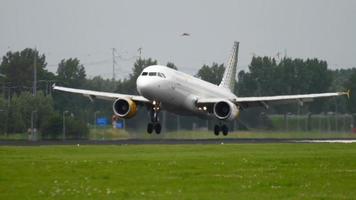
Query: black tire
216	130
149	128
158	128
225	130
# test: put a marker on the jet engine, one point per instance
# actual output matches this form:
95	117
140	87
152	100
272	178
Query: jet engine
226	110
125	108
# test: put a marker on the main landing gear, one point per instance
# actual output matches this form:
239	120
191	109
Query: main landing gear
154	124
223	128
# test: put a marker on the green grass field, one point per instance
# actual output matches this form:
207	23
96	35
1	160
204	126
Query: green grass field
239	171
116	134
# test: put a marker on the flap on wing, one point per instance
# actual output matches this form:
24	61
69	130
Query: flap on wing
289	97
101	95
209	100
284	99
245	102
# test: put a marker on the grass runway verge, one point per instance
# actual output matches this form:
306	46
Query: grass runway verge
237	171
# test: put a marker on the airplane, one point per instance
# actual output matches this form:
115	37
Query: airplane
163	88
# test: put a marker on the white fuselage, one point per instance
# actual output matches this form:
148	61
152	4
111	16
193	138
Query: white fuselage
176	91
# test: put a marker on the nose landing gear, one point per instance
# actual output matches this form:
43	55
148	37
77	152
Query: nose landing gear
223	128
154	124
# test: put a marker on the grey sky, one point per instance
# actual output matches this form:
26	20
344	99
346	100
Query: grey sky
325	29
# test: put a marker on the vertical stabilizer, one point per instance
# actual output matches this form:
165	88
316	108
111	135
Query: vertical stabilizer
228	80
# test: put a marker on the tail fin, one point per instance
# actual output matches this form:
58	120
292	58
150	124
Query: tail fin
228	80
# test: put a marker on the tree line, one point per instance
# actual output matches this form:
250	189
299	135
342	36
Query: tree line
265	77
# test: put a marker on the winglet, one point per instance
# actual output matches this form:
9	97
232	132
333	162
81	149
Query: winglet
348	93
53	85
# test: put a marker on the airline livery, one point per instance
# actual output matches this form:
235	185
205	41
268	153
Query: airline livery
163	88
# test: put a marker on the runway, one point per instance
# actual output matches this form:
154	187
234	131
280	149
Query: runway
217	141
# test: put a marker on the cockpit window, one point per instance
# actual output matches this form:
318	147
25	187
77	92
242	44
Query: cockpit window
152	73
161	75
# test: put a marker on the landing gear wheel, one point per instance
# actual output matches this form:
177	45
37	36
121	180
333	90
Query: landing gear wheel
225	130
216	130
153	115
158	128
149	128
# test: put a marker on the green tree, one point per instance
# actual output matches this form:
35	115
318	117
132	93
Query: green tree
172	65
266	77
351	85
71	72
212	74
3	113
340	81
53	127
76	129
262	73
18	67
100	84
2	82
23	105
246	86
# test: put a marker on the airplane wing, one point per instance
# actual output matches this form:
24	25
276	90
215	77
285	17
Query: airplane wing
246	102
102	95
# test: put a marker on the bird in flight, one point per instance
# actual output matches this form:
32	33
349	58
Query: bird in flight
185	34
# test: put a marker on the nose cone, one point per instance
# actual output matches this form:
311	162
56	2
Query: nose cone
144	86
147	87
140	85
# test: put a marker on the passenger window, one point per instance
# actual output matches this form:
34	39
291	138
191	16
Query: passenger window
144	73
152	73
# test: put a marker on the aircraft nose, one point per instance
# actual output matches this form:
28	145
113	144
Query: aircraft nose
142	85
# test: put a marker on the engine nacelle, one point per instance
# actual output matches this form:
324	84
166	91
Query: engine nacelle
226	110
124	108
